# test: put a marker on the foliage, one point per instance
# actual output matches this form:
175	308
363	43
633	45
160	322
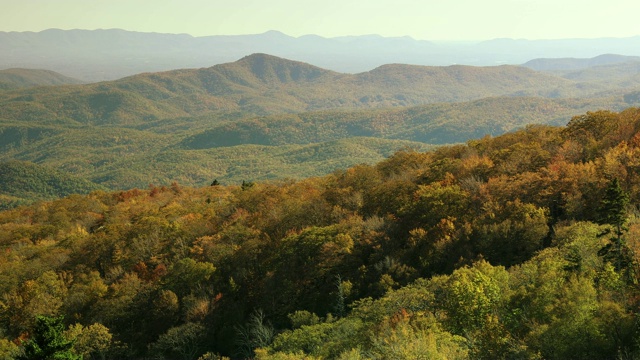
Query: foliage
92	341
48	341
613	207
192	128
182	342
8	350
28	182
465	251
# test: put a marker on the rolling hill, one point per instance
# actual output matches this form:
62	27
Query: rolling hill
264	117
194	151
11	79
262	84
442	123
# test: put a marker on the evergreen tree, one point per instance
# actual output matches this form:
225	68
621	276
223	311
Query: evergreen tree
48	341
613	211
613	207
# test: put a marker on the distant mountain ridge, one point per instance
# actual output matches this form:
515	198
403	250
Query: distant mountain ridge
263	84
97	55
563	64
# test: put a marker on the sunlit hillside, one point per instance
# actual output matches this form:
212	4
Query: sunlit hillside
523	245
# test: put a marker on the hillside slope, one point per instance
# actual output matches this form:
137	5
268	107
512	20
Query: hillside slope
264	117
234	147
24	182
11	79
432	124
504	247
263	84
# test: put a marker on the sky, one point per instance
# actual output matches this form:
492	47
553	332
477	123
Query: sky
435	20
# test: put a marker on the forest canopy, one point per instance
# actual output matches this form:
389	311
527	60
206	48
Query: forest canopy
524	245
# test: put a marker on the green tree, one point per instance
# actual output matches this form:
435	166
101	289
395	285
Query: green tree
48	341
471	295
613	211
613	207
183	342
188	275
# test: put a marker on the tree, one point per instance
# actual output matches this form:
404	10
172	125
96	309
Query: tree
95	339
42	296
188	275
8	350
613	211
181	342
257	333
48	341
613	207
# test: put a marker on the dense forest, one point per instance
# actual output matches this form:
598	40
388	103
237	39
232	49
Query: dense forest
519	246
24	182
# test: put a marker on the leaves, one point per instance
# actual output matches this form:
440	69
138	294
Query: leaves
48	341
464	251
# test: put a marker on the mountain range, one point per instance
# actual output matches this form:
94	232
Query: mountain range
264	117
560	65
262	84
97	55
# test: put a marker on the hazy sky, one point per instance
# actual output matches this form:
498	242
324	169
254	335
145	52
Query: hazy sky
420	19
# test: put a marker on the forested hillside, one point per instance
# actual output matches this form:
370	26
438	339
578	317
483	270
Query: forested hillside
25	182
233	147
11	79
438	124
265	118
261	84
523	245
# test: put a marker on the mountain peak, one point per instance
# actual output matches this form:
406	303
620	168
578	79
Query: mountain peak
269	68
262	57
274	34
